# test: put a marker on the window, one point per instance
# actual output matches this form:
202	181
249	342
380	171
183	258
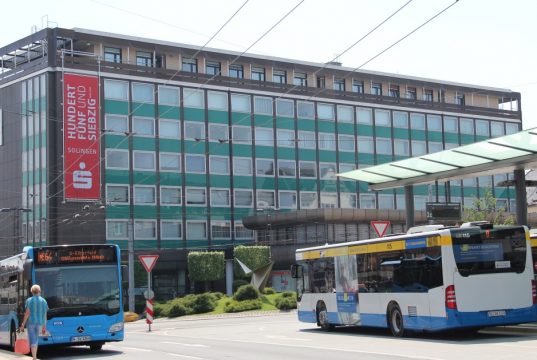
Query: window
218	133
195	163
117	159
265	198
364	116
339	84
168	95
325	112
219	165
116	90
258	73
485	182
467	126
242	232
384	146
190	65
170	230
321	82
118	124
308	200
142	126
112	54
242	134
451	125
358	86
117	194
169	129
117	229
242	166
220	197
196	230
427	95
279	76
410	93
286	138
365	144
420	202
240	103
287	168
368	201
348	201
327	141
482	128
382	118
236	71
264	167
194	131
346	142
262	105
306	139
418	148
145	229
328	200
285	108
221	229
449	146
193	98
307	169
170	195
511	128
401	147
144	58
459	99
196	196
144	195
170	162
394	91
435	147
144	160
434	123
300	79
212	68
288	199
386	201
264	136
376	88
417	121
496	128
345	114
244	198
217	100
305	110
469	182
343	167
400	119
327	171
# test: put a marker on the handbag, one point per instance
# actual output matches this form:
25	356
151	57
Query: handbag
22	346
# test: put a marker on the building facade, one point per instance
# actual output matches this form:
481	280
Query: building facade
184	143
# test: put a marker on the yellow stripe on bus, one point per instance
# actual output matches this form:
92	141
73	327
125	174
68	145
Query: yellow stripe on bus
534	242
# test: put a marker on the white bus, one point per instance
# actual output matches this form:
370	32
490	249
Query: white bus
465	277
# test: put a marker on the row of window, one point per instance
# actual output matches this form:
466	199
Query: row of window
173	230
217	100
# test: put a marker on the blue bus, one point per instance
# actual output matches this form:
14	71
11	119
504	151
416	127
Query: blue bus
82	285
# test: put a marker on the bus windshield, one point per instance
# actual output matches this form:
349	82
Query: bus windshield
489	251
80	290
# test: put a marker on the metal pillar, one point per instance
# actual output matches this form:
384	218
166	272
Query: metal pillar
229	277
521	202
409	205
131	264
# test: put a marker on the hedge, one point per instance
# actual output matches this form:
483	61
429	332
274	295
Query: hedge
245	305
252	256
206	266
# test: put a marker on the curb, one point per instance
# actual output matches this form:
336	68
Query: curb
245	314
6	354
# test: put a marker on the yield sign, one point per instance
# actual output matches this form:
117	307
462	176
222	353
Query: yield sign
148	261
380	227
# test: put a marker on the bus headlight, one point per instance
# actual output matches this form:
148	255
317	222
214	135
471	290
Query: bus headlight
116	327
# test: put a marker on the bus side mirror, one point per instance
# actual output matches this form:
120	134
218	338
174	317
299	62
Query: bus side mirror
27	269
296	271
124	272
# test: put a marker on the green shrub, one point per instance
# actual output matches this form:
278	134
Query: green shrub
238	283
246	292
177	309
204	303
288	294
161	310
269	291
217	295
245	305
285	303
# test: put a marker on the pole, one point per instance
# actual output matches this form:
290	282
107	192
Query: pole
131	265
149	303
521	201
409	205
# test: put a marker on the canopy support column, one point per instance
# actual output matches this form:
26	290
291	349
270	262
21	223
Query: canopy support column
409	206
521	202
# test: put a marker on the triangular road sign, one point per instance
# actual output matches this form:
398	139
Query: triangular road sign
148	261
380	227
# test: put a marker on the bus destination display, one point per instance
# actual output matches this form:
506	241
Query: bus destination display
74	255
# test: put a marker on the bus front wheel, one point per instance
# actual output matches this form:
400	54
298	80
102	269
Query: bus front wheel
395	320
322	317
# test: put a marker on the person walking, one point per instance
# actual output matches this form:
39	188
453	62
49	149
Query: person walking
36	317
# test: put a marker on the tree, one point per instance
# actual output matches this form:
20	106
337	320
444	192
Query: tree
485	209
206	266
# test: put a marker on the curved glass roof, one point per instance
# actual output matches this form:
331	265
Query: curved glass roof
502	154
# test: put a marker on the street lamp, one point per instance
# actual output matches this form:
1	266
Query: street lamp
16	225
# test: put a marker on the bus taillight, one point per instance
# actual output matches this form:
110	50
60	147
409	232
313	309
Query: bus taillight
451	299
534	291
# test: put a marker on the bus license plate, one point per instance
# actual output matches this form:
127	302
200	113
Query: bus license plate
496	313
80	338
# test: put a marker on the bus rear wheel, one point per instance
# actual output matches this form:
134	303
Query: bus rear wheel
395	321
12	336
322	318
96	347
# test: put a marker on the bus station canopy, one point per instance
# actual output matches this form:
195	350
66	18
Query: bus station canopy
498	155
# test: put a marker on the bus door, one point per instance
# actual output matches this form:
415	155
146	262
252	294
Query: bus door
346	289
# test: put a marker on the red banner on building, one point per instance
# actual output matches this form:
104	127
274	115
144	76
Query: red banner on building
81	137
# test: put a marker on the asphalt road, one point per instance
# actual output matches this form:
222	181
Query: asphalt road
281	336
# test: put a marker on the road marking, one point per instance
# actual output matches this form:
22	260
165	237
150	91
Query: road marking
132	348
282	337
185	356
184	344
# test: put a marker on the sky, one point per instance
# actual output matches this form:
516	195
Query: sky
481	42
